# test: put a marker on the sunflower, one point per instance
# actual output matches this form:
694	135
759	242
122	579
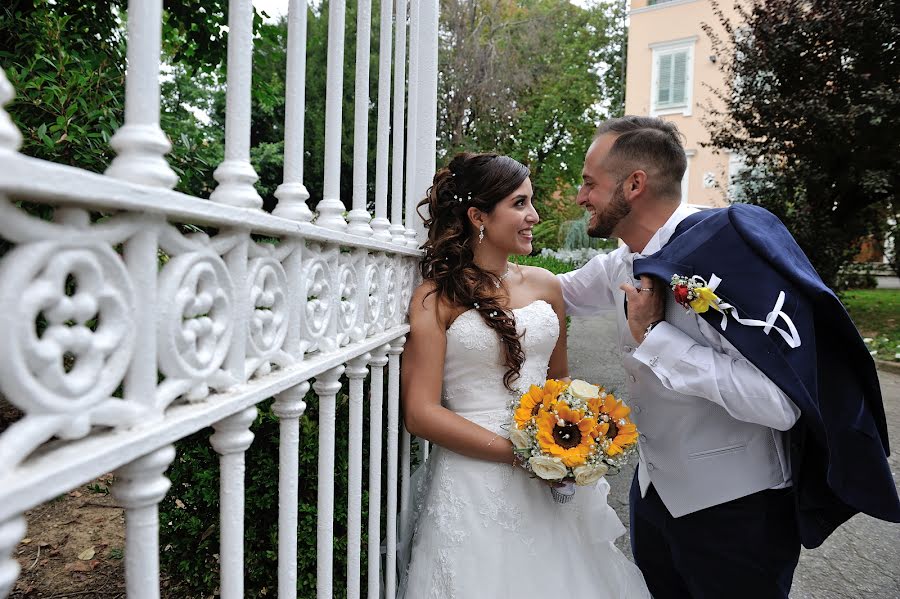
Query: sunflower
617	427
566	434
625	436
616	410
535	399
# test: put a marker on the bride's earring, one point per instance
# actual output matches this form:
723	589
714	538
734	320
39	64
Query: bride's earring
481	234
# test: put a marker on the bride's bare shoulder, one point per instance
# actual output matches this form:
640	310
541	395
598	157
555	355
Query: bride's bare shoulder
426	306
538	277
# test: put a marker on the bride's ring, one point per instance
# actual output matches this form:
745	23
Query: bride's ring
649	289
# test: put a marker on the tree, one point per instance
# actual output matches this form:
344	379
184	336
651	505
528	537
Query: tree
810	104
66	61
531	79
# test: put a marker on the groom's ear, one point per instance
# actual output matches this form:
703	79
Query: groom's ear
635	184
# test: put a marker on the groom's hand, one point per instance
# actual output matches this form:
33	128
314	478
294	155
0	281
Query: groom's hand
646	305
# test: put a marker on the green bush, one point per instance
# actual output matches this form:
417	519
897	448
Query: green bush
548	262
189	515
858	276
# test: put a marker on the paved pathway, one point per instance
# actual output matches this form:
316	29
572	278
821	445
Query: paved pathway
861	559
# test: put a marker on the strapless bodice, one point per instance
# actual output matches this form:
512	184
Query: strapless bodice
474	369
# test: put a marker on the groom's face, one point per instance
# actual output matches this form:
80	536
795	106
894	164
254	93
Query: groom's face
600	193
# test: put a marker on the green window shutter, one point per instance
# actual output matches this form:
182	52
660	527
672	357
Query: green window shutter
679	77
664	80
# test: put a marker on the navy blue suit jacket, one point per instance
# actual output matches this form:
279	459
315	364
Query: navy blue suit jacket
839	446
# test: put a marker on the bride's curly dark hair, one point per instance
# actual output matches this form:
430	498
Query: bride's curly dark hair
470	181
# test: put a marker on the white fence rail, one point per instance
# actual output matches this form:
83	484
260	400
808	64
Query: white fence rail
126	334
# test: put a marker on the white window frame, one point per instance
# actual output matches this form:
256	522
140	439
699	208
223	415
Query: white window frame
670	47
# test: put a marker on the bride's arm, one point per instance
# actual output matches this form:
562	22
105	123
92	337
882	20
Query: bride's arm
421	377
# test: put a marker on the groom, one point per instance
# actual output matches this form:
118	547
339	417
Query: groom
758	432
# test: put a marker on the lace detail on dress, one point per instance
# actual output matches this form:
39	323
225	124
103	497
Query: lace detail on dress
473	333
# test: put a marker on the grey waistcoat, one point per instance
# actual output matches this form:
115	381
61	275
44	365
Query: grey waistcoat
695	453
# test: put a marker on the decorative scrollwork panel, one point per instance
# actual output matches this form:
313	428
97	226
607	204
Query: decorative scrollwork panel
353	293
320	290
270	317
66	318
194	324
375	294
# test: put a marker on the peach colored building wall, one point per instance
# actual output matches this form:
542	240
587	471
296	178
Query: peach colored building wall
674	26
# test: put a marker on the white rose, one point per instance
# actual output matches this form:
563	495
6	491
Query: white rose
589	474
548	468
520	439
583	389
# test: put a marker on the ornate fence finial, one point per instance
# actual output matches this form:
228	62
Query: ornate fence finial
10	138
292	194
235	174
140	144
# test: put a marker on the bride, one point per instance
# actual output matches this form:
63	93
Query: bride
481	331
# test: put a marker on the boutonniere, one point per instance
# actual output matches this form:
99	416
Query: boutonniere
694	293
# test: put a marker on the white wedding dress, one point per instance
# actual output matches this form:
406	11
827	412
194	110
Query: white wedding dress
488	530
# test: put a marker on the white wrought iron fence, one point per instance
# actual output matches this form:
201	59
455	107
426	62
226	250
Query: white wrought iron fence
112	354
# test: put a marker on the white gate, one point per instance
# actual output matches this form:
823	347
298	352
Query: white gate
112	354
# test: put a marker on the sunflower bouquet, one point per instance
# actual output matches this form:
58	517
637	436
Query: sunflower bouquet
571	433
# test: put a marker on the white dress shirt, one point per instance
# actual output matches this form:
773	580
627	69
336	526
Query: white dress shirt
715	371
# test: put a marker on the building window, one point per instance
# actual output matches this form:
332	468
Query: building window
655	2
672	77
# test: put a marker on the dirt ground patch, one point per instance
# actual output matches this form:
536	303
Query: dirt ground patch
74	547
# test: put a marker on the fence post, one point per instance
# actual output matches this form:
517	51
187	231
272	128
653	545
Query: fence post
397	191
235	174
326	386
231	440
289	407
359	216
356	372
292	193
140	486
393	428
331	206
376	407
12	532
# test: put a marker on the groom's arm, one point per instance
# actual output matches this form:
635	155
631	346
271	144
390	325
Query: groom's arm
589	290
718	372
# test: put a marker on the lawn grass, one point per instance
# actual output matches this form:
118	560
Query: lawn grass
876	313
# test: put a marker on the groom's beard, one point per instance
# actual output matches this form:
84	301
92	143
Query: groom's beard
604	222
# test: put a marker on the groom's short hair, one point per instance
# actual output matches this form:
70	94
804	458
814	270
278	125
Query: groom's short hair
649	144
